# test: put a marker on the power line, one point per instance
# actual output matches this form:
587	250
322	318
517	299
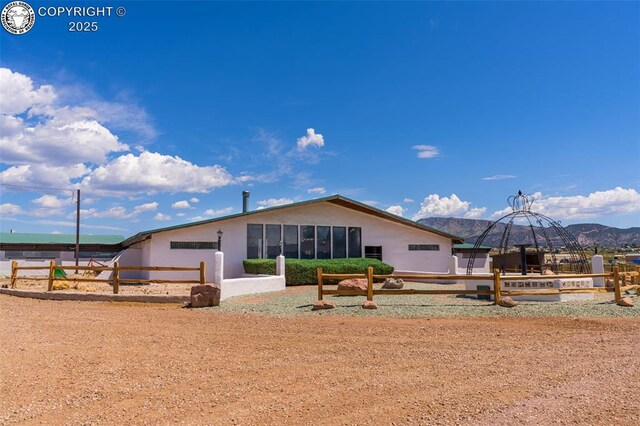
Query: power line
37	187
47	188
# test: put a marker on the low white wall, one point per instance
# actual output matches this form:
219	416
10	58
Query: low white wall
251	285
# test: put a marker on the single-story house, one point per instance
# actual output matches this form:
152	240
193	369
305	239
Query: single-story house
324	228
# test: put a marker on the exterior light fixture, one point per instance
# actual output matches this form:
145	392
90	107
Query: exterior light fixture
220	239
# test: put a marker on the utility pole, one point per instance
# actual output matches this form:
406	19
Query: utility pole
78	229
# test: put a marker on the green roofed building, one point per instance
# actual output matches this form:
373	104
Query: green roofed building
25	246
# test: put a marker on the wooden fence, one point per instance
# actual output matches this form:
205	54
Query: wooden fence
619	284
115	280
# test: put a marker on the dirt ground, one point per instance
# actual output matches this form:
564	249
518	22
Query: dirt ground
174	289
116	363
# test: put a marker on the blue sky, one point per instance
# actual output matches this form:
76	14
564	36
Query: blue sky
163	116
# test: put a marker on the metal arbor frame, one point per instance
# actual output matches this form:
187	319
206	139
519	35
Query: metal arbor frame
544	231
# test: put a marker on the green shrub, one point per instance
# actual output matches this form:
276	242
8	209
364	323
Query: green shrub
303	271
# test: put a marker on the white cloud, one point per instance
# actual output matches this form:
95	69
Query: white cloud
194	200
220	212
8	209
162	217
408	200
499	177
426	151
117	212
147	207
475	213
317	190
50	202
272	202
73	225
17	93
371	202
59	136
611	202
163	173
434	205
181	214
310	139
42	175
184	204
397	210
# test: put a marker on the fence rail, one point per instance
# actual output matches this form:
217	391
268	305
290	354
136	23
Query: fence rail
115	279
618	278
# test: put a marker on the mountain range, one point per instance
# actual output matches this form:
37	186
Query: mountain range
587	234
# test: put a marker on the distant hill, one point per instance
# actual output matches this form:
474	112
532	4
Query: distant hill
587	234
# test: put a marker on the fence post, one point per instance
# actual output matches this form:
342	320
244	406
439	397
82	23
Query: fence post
14	273
370	283
218	268
280	265
496	286
116	277
203	272
319	272
616	283
52	269
597	267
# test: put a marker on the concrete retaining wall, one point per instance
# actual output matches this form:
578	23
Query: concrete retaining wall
250	285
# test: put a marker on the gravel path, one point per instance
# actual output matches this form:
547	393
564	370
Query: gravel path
115	363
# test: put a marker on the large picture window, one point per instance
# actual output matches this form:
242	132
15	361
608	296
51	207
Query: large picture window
355	242
339	242
291	242
307	242
273	240
254	241
265	241
324	242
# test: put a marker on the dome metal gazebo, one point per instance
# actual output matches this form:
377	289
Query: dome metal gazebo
538	235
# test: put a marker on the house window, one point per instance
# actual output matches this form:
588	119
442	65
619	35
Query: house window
193	245
424	247
291	241
373	252
355	242
254	241
324	242
307	242
15	254
339	242
274	238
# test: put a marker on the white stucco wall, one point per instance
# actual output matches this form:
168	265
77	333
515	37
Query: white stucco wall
393	237
480	263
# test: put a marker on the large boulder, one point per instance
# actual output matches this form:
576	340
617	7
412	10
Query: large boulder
353	284
205	295
393	283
